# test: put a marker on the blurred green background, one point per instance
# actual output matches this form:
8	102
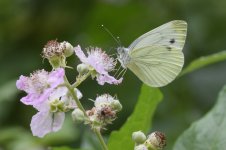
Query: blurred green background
26	26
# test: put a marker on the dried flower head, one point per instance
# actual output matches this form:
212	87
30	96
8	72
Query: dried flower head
103	113
53	49
57	52
156	140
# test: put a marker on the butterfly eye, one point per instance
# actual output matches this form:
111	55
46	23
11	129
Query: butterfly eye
172	41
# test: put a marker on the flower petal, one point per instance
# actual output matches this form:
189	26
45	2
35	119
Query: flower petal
80	54
58	92
46	122
101	79
103	99
58	121
95	62
56	77
21	83
78	93
35	99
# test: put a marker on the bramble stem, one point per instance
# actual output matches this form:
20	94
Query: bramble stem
81	79
98	134
74	95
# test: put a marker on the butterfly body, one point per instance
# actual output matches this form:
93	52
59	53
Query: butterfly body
156	57
123	56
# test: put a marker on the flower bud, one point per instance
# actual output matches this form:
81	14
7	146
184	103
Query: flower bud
140	147
78	115
139	137
116	105
82	68
56	106
68	51
156	141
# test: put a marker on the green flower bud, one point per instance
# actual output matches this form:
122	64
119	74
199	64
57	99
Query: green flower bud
56	106
82	68
68	51
156	141
139	137
78	115
116	105
140	147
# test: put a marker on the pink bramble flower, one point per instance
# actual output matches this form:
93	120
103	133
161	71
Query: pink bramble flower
46	93
51	113
100	63
39	85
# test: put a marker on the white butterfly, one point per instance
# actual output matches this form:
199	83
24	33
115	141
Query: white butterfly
156	57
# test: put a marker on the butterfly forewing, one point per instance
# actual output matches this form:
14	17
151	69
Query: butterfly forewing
156	65
171	34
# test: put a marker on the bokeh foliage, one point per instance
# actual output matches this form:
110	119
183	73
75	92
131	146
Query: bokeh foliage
26	25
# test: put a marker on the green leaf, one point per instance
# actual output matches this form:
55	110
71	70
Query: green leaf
204	61
209	132
65	148
139	120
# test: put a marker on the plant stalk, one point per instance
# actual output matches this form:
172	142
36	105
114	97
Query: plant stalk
98	134
74	95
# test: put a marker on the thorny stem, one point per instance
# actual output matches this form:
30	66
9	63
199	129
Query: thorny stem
73	94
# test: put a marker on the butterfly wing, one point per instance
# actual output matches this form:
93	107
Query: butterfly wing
156	57
156	65
170	34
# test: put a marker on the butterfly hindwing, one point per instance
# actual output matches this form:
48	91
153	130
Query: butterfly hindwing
156	65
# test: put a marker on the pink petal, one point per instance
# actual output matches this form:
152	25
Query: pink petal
58	121
45	122
80	54
35	99
101	79
56	77
96	65
21	83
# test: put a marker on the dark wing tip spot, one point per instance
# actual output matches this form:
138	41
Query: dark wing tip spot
172	41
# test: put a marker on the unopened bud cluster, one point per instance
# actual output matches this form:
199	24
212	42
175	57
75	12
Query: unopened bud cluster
155	141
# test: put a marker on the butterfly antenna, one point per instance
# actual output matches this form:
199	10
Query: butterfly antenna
119	41
110	51
109	32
